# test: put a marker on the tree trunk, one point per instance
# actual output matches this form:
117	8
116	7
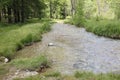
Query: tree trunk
9	15
50	3
73	3
99	10
0	16
15	11
22	12
18	15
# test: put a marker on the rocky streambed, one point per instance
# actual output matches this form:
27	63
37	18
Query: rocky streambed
74	49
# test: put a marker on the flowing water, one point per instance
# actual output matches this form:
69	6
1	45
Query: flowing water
76	50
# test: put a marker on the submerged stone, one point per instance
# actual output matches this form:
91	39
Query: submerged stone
50	44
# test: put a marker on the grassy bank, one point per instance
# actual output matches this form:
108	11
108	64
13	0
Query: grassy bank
30	63
107	28
76	76
14	37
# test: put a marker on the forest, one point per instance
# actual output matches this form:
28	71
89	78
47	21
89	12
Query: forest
59	39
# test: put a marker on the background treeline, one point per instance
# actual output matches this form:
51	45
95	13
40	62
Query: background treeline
14	11
95	9
20	10
101	17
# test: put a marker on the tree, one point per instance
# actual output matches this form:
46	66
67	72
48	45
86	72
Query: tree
78	18
20	10
116	7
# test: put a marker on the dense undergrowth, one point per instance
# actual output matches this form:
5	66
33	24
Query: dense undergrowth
14	37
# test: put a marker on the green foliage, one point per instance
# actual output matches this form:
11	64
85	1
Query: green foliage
79	15
16	11
116	7
105	28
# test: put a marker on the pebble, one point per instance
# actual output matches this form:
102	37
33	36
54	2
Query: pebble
6	60
50	44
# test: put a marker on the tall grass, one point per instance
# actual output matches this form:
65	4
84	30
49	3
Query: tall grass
15	36
91	76
30	63
107	28
31	78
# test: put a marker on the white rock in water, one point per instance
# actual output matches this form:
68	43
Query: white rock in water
6	60
50	44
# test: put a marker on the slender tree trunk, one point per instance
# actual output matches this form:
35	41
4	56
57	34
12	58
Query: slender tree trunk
99	10
22	12
5	13
73	3
64	16
15	11
18	15
0	16
9	15
50	3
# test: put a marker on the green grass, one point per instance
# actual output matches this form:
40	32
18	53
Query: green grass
53	74
47	76
91	76
77	76
31	78
14	36
30	63
107	28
